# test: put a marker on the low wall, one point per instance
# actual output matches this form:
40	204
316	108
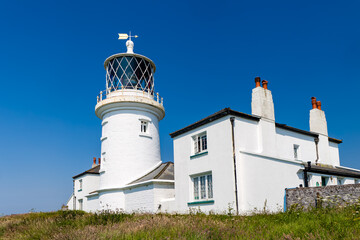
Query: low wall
310	197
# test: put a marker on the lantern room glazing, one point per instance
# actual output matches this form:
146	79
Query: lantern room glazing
129	71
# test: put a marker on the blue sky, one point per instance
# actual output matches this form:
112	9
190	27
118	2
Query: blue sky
207	54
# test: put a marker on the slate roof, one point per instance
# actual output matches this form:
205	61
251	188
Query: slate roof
337	171
227	111
164	172
94	170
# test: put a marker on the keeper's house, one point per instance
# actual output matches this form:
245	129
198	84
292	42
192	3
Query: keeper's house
233	160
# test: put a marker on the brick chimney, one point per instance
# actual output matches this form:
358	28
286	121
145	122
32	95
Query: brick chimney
318	122
262	104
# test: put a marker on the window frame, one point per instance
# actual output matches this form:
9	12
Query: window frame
200	143
145	126
202	187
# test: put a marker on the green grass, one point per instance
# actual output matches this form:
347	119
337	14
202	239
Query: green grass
330	223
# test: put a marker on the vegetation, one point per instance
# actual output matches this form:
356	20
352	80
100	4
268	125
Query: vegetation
328	223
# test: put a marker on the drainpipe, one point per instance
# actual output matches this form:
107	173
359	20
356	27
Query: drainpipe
74	198
306	180
316	140
234	158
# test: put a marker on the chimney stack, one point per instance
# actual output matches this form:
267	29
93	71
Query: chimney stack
262	104
94	163
318	122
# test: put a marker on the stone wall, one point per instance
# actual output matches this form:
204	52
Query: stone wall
310	197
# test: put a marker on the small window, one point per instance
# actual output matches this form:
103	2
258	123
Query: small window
80	204
200	143
80	184
324	181
203	187
144	126
340	181
296	152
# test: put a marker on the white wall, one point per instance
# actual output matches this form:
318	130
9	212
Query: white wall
264	179
90	183
285	145
127	154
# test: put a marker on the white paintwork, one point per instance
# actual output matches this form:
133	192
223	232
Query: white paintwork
318	122
262	104
90	183
266	162
130	46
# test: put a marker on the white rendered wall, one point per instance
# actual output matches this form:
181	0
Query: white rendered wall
262	180
334	153
90	183
218	161
113	200
128	154
285	145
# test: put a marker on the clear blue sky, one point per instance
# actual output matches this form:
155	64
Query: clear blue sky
207	55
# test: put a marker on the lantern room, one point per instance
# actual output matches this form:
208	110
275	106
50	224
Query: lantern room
129	71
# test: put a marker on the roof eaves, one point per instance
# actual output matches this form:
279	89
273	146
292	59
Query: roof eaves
222	113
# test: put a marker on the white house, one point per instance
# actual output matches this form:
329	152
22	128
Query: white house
232	160
228	160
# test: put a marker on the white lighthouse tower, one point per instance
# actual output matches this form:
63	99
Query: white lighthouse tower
130	111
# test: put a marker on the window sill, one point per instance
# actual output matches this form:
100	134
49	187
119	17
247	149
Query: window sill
145	135
201	202
198	154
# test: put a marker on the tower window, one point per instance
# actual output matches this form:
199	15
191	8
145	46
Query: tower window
296	152
144	126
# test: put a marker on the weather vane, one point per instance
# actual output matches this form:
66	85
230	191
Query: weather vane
129	43
123	36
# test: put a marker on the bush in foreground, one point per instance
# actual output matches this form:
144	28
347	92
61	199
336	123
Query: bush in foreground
331	223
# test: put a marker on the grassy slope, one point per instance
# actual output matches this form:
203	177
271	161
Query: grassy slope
317	224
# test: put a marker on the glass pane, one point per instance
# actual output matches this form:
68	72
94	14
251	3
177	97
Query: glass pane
210	188
204	142
203	189
196	188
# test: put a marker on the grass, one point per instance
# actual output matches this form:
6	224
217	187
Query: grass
329	223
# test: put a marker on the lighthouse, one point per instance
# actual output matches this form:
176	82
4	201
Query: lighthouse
130	111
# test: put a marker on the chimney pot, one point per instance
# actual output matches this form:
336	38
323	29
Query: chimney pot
257	82
264	84
94	160
313	102
318	103
99	161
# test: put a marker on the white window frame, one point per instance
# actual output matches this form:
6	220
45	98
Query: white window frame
200	143
202	180
145	125
80	184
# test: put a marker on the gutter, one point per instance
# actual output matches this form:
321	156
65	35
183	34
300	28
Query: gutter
234	158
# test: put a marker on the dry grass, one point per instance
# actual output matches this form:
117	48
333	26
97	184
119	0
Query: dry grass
334	223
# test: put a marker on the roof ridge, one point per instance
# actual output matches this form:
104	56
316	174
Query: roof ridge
162	170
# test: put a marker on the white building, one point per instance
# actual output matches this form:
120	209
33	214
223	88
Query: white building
232	160
228	160
131	176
